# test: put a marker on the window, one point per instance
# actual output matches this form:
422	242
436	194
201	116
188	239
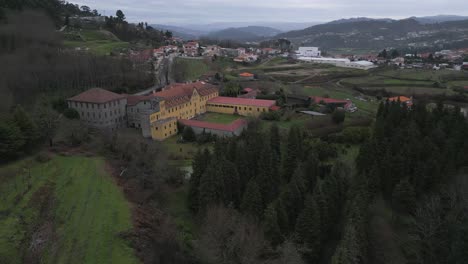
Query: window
88	114
258	109
94	115
250	108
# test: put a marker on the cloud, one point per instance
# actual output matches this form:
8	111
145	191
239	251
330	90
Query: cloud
209	11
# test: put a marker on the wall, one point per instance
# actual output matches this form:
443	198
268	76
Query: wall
241	109
109	115
163	129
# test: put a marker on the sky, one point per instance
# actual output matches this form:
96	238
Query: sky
212	11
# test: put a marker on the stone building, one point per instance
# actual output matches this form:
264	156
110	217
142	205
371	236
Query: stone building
99	108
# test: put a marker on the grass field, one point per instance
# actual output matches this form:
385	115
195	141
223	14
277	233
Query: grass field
99	42
188	69
74	195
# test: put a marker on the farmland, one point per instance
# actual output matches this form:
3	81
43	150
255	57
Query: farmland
66	210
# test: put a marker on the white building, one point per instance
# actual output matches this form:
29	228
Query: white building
308	52
364	65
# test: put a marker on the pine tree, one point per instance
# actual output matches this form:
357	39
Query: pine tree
267	178
252	203
231	181
294	195
404	196
27	127
199	165
311	171
275	144
271	226
282	214
293	152
211	187
308	228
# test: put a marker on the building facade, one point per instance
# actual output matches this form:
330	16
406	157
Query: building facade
239	106
99	108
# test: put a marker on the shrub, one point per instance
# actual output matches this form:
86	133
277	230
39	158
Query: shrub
188	134
71	113
271	116
338	116
43	157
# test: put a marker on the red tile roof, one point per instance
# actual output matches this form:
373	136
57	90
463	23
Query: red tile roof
180	93
241	101
96	95
275	108
135	99
318	100
402	99
216	126
246	74
247	90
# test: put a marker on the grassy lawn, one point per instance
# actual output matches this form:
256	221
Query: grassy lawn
189	69
98	42
218	118
88	211
369	107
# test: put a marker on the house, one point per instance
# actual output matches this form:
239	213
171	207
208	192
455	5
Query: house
402	99
239	106
246	76
270	51
308	52
248	93
235	128
212	50
347	105
191	48
99	108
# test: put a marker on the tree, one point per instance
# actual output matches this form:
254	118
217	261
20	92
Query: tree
47	119
404	196
188	134
293	152
383	54
11	140
308	228
275	144
71	113
211	186
120	15
252	200
168	34
26	125
199	165
271	226
395	54
338	116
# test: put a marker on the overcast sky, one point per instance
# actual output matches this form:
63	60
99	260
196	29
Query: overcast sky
211	11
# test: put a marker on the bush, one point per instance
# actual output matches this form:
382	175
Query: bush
71	113
271	116
355	135
188	134
338	116
43	157
59	105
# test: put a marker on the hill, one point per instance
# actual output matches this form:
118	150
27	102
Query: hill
181	32
439	19
244	33
379	34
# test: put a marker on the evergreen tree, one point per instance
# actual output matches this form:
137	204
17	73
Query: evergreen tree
275	144
26	125
308	228
211	187
404	196
271	226
252	203
311	171
294	195
11	140
199	165
293	152
120	16
188	134
282	214
231	181
268	180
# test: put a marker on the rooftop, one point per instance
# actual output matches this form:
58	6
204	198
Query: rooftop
246	74
242	101
318	99
402	99
96	95
216	126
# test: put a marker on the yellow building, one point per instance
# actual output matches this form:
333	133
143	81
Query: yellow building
240	106
179	101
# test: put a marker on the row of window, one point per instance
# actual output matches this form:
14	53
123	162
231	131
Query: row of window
237	108
116	120
92	105
99	116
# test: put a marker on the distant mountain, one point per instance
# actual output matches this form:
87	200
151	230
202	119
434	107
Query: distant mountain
181	32
379	34
439	19
249	33
359	19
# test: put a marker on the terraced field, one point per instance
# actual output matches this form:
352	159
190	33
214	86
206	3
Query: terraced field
99	42
66	210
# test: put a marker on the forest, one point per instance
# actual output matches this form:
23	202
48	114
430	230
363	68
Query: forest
296	191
